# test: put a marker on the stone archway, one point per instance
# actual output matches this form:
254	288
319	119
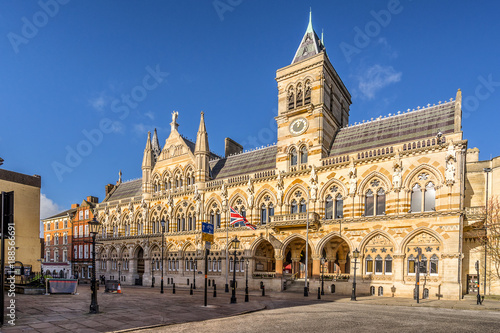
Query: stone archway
294	258
336	253
264	260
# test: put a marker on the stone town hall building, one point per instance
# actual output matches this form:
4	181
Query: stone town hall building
386	187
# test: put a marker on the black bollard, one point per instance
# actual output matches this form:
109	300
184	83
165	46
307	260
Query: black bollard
319	293
215	290
191	289
187	282
263	290
209	282
173	288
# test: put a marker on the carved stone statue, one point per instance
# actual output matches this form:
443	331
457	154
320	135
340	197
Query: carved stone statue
280	187
223	195
396	177
170	203
250	190
450	153
173	124
197	199
449	173
352	179
314	187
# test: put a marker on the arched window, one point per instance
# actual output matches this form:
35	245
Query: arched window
291	99
328	207
423	265
430	197
388	265
381	291
270	211
212	217
339	206
299	95
307	94
242	265
209	265
302	207
231	264
179	227
190	222
369	265
372	291
379	264
263	214
217	219
411	264
416	199
434	264
369	203
293	157
303	155
381	202
293	207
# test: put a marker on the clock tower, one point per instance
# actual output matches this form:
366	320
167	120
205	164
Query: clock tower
313	104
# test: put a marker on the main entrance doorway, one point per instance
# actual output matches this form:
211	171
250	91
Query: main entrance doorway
140	266
295	259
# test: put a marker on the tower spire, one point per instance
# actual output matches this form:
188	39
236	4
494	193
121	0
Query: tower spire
156	146
310	44
202	152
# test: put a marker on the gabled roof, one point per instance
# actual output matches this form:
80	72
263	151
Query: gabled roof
310	44
128	189
396	129
61	214
244	163
191	145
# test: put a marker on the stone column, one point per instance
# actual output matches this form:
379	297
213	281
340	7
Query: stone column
279	265
342	263
398	269
316	267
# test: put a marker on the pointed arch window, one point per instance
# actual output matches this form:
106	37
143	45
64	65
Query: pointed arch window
303	155
190	222
411	265
270	211
381	202
328	207
299	95
307	94
291	99
302	207
379	265
293	157
423	265
293	207
416	198
339	206
434	264
217	219
388	265
429	197
212	217
369	203
263	214
369	265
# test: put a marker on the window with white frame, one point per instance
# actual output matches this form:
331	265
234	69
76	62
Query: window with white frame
379	265
369	264
86	214
80	215
388	265
423	195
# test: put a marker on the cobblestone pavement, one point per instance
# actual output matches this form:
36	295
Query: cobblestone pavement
144	307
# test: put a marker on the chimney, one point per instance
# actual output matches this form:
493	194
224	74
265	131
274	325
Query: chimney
108	188
472	155
92	199
75	206
232	147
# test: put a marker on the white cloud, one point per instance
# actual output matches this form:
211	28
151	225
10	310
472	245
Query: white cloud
140	129
99	102
150	115
376	78
48	207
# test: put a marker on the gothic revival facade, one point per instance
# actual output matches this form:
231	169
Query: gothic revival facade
390	187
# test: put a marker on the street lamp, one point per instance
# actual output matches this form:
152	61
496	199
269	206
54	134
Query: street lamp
236	245
355	255
194	273
487	170
246	278
323	260
94	227
120	272
162	222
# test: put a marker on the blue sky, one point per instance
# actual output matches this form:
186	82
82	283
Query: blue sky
69	68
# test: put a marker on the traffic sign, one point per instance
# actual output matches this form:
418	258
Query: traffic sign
207	228
207	237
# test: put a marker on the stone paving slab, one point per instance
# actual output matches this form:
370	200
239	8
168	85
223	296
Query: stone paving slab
142	307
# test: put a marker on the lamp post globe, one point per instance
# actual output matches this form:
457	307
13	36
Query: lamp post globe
162	222
236	245
355	255
94	227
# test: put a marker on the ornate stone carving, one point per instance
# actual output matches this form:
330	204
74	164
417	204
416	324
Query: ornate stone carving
197	199
424	238
449	173
380	240
398	170
352	179
250	191
314	187
223	195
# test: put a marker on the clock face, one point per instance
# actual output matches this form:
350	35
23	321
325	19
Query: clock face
298	126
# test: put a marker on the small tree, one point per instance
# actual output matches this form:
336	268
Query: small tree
492	237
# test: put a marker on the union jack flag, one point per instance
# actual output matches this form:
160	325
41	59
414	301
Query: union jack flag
236	217
250	226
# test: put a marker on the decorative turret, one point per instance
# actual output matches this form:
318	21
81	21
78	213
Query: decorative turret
202	152
156	147
458	112
147	166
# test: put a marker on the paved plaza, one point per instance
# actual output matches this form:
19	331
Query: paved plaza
144	308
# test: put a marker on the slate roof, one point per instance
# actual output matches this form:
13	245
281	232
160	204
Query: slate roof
191	145
61	214
310	44
397	129
126	190
245	163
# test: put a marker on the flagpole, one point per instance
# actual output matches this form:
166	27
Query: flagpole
227	248
306	290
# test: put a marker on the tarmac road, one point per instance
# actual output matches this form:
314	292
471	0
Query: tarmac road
347	317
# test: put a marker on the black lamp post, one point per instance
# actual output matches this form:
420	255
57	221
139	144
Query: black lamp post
236	245
194	273
323	260
94	227
162	240
246	280
119	272
355	254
